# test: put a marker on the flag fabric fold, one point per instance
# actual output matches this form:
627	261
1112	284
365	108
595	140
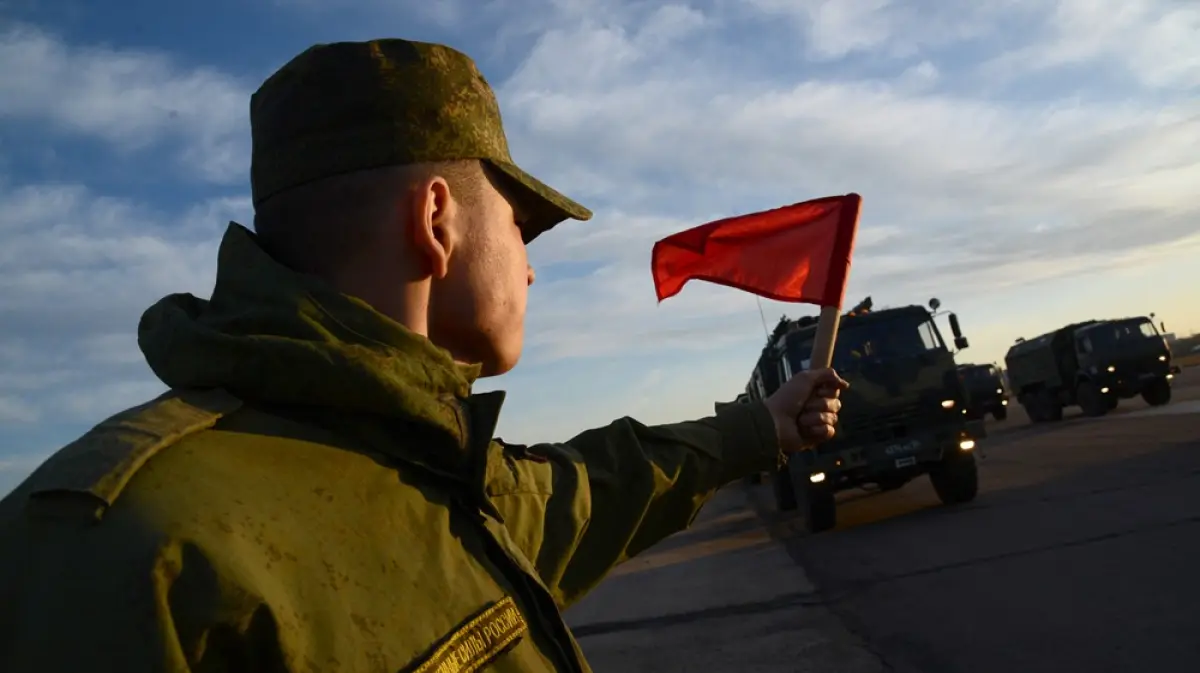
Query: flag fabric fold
797	253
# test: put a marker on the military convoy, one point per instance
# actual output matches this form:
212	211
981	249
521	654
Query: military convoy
1093	365
911	410
903	416
987	391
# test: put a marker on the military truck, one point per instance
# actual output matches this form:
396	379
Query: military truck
901	418
987	392
1091	364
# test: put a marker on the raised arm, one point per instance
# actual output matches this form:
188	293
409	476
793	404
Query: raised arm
586	505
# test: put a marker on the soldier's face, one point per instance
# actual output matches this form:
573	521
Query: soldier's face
478	310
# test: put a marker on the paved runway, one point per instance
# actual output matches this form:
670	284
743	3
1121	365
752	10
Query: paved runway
1082	553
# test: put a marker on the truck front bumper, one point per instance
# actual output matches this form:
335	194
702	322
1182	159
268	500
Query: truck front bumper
1131	384
983	403
898	458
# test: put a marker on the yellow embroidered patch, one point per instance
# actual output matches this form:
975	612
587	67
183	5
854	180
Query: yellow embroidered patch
478	641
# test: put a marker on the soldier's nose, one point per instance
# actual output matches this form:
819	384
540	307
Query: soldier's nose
531	275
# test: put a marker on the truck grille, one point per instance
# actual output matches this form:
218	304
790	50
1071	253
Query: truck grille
891	424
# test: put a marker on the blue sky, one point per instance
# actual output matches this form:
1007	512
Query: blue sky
1027	162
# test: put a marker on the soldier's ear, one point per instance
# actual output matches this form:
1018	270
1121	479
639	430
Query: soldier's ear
432	224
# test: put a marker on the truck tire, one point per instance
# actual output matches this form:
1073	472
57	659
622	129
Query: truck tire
820	508
956	478
1000	413
1032	411
1053	408
1157	393
784	488
1091	400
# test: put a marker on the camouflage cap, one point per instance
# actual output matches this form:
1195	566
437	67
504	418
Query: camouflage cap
348	106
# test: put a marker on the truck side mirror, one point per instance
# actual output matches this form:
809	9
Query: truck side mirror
961	343
954	327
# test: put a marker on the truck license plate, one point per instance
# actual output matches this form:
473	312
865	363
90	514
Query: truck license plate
906	461
903	448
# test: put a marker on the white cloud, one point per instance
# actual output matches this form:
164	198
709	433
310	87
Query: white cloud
837	28
130	98
919	77
79	269
978	193
816	136
1152	40
556	402
834	29
71	256
15	410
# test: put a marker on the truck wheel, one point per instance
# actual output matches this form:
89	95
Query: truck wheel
956	478
785	490
1053	408
1091	400
1032	411
820	508
1158	393
1000	413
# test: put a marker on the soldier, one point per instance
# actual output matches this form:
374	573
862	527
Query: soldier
319	490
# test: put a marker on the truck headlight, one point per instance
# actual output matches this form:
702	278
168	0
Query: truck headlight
947	404
1111	369
1162	358
817	477
966	444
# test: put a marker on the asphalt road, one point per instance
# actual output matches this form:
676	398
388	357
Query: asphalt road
722	596
1081	553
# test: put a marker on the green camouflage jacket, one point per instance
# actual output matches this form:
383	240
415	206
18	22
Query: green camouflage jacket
319	491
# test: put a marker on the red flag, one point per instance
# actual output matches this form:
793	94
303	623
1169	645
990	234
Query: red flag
798	253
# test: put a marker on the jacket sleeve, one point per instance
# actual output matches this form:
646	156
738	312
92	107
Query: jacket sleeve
608	494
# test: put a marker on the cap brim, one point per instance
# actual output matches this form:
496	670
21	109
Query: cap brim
544	206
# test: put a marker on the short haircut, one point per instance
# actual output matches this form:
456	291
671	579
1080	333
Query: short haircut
318	227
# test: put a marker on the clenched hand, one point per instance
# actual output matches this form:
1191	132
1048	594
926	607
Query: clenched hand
805	409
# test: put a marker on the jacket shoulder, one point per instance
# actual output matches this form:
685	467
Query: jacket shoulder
88	475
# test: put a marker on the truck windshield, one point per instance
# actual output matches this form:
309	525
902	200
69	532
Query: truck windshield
978	374
871	341
1113	334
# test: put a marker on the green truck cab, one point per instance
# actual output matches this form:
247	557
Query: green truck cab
903	416
987	392
1091	364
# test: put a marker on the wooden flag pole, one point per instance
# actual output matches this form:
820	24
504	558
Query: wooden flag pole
827	330
831	316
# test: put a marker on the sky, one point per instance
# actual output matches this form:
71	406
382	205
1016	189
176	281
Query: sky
1027	162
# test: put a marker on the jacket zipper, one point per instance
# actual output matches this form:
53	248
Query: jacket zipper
548	614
